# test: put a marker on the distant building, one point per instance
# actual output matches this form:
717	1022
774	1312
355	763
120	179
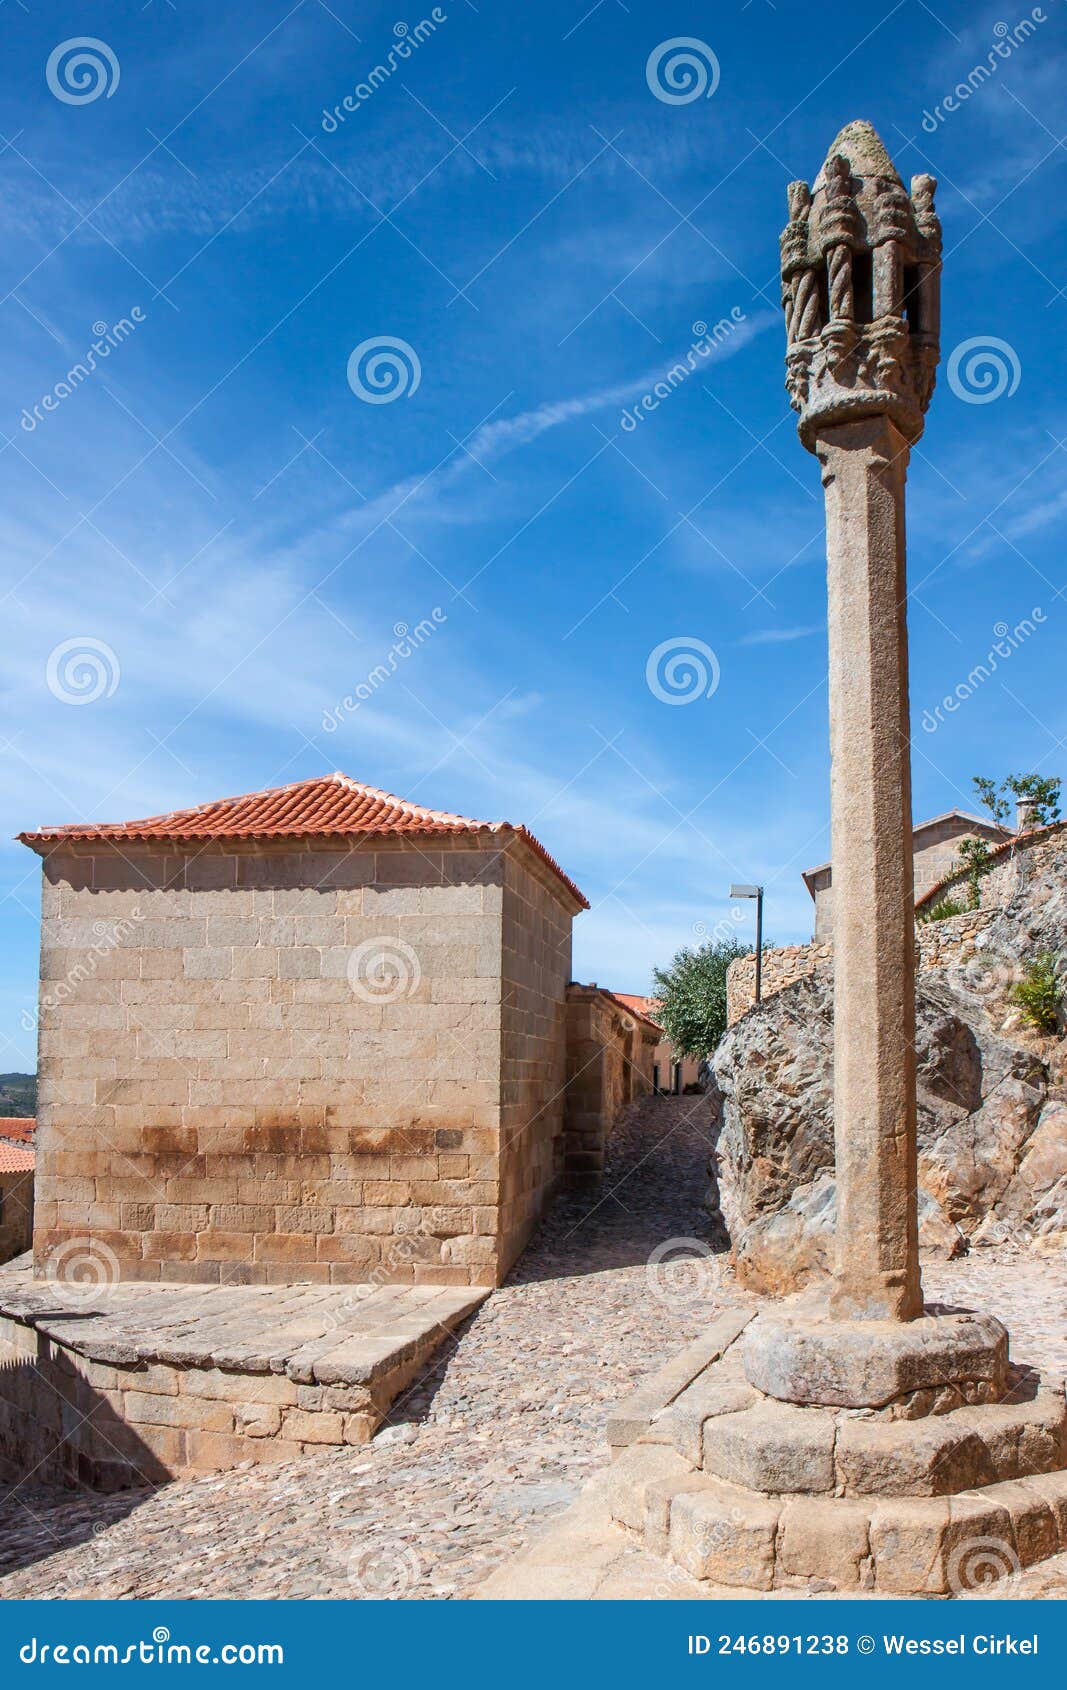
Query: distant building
16	1187
670	1072
935	845
610	1045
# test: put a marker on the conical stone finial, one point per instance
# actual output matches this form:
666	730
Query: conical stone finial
861	146
861	264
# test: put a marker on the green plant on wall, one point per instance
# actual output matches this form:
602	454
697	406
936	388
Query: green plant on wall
1039	994
941	911
975	860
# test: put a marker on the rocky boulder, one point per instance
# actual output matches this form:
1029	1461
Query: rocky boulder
992	1121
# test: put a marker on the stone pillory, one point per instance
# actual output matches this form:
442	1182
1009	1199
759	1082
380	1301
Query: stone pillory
860	281
872	1443
315	1033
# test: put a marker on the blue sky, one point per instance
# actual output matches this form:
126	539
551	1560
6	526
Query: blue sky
233	533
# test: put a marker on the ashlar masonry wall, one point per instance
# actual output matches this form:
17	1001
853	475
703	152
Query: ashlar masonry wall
535	972
609	1064
269	1064
16	1213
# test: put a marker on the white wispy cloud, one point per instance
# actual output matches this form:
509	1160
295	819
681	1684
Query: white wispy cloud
493	440
781	636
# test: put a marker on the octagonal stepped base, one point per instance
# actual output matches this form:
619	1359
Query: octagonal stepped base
894	1546
745	1490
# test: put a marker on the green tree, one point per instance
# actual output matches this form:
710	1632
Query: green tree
1043	790
691	995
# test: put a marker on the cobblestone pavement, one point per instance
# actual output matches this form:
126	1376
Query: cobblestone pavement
498	1438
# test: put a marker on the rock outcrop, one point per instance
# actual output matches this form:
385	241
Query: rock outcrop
992	1108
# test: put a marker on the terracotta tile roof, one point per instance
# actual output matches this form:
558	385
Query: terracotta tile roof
325	806
645	1007
17	1127
16	1159
998	851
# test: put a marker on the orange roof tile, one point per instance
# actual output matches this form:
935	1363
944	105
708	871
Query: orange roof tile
15	1159
17	1126
645	1007
325	806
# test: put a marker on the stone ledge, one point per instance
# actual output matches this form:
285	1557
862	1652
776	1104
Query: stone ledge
154	1381
634	1416
902	1546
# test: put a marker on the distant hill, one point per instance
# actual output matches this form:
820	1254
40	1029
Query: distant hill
18	1095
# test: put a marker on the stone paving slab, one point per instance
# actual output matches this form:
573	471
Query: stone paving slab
343	1334
120	1386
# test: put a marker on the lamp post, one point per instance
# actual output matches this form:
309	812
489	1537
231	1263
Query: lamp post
757	893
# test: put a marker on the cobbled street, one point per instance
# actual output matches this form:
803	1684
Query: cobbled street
503	1432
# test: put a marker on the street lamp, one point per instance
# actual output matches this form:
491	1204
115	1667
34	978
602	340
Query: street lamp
757	893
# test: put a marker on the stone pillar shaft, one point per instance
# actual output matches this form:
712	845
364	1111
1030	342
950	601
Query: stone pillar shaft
864	465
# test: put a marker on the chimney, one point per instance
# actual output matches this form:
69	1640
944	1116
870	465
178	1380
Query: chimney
1024	814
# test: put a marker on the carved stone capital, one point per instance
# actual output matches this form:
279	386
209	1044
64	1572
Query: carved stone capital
860	285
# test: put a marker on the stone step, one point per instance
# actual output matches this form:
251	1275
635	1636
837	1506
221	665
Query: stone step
915	1546
781	1449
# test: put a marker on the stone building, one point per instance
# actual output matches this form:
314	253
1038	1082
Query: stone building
610	1047
671	1071
16	1198
935	844
315	1033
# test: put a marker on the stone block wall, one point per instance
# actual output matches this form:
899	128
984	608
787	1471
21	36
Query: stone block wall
290	1063
609	1064
122	1427
535	971
781	967
16	1213
937	944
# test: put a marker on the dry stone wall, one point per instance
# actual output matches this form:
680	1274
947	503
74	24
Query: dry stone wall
937	944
